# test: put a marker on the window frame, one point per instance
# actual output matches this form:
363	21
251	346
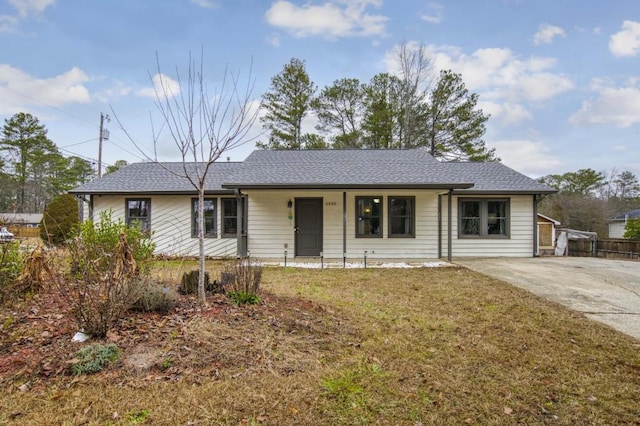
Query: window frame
358	218
129	219
194	226
412	198
223	218
484	218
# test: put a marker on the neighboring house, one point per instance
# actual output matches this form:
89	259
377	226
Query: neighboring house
391	204
618	223
27	220
546	234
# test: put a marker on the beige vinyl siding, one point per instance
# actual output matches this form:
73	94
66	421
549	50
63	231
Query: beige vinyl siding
617	229
270	231
423	246
171	224
521	226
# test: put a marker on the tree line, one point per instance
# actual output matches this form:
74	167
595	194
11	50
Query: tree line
33	171
587	199
409	110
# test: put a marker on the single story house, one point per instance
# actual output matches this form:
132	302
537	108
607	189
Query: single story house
389	204
618	223
27	220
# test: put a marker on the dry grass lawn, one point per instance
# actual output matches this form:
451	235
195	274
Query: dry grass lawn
377	346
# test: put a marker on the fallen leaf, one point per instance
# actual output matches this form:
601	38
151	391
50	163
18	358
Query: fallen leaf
507	410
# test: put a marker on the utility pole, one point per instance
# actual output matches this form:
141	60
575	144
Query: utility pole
104	135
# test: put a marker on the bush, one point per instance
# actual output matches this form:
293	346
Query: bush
59	220
109	265
11	260
101	239
246	276
156	297
632	229
91	359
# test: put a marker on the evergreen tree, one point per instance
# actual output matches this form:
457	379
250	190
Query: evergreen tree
339	110
24	141
59	220
454	125
287	103
381	121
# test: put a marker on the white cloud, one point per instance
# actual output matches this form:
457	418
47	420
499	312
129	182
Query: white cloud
626	42
619	106
333	19
163	86
501	78
546	34
437	16
19	90
8	23
619	148
528	157
30	7
506	113
273	40
207	4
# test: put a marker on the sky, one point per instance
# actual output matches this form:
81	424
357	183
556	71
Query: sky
559	78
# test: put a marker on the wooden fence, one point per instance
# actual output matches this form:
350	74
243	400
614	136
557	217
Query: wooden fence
24	232
609	248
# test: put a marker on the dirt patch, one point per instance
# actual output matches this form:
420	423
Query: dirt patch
281	334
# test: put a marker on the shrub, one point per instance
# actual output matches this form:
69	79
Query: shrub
156	297
246	276
244	298
100	239
108	272
11	260
92	358
632	229
59	220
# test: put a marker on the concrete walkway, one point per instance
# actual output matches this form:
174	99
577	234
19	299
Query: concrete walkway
605	290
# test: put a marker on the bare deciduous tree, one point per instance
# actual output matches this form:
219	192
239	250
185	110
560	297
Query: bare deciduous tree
203	126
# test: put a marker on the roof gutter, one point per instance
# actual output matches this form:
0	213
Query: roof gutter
442	186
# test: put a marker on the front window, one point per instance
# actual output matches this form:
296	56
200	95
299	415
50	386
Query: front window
138	213
229	217
369	217
483	218
209	217
401	217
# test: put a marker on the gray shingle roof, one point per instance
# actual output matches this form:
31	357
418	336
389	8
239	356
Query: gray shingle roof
322	169
495	177
157	178
342	168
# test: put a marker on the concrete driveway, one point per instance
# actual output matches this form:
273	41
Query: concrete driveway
603	289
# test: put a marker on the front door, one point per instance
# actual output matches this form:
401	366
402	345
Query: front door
308	227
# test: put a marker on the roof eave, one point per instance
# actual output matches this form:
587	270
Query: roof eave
191	192
504	192
266	186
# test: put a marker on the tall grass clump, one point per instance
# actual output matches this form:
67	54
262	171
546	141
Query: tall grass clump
245	278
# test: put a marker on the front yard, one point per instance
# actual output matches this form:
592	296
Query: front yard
356	346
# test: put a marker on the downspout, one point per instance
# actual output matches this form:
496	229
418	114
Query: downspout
535	225
241	250
439	226
449	221
344	224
